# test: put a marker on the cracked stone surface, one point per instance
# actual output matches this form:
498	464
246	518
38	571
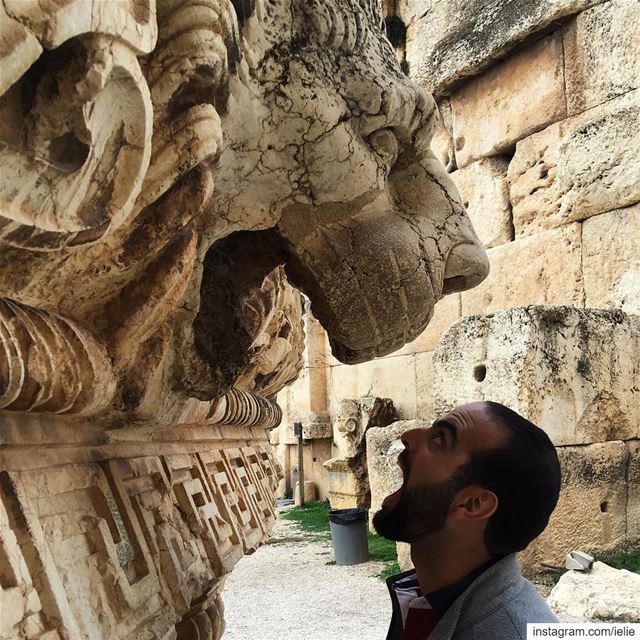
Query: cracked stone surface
577	168
574	372
174	173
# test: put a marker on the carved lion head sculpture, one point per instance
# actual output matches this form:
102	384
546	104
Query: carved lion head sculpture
162	161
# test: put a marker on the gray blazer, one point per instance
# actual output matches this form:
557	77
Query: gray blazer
496	606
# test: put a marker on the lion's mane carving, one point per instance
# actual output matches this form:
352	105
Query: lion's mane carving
149	187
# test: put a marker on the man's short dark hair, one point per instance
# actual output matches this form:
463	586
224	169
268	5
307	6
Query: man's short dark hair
524	473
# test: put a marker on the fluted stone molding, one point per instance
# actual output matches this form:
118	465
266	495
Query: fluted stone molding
246	409
48	364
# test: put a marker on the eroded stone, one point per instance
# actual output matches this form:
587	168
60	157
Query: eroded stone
611	260
573	372
591	514
577	168
522	273
602	54
484	190
383	448
523	94
348	474
449	41
601	594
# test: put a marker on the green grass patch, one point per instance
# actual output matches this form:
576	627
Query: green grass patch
381	549
391	569
622	558
313	519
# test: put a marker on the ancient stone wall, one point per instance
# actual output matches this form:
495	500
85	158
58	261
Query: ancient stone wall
539	105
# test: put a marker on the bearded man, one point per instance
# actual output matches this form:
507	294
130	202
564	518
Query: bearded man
479	485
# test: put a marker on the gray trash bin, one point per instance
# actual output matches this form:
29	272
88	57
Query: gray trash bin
349	535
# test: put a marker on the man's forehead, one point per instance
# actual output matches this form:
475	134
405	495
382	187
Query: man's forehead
473	421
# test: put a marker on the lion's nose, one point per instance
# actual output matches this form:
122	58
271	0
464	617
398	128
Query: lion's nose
467	265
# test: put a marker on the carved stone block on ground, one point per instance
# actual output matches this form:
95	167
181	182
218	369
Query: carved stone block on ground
518	96
484	190
573	372
592	510
602	54
448	41
523	273
604	593
577	168
348	469
611	259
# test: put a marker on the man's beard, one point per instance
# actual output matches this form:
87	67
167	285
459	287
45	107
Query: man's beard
422	511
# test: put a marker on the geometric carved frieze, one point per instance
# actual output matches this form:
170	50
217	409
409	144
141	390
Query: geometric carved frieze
102	549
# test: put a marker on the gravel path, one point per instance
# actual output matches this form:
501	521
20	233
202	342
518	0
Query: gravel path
286	590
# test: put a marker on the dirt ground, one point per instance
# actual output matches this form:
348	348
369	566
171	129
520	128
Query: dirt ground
286	590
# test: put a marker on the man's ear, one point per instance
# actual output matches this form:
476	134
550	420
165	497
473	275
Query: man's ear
473	503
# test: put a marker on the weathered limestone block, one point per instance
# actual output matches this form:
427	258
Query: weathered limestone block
604	593
633	493
577	168
391	377
602	54
522	273
592	510
348	473
484	191
383	448
573	372
424	386
611	260
523	94
448	41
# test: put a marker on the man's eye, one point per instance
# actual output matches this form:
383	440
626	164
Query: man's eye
438	439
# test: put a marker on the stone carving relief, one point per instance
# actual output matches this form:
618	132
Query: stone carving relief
348	473
171	170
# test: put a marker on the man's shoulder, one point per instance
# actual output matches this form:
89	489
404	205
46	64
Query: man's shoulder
528	606
508	619
497	606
